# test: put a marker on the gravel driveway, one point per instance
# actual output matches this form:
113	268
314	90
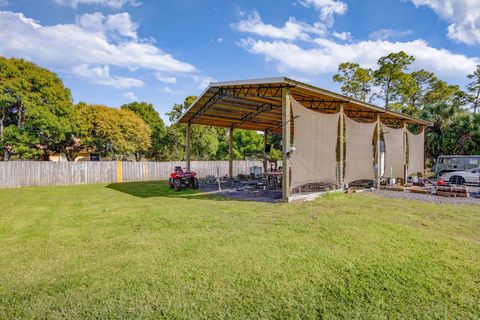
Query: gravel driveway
425	197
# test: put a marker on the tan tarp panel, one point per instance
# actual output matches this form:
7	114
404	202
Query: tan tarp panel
315	141
416	151
394	153
359	150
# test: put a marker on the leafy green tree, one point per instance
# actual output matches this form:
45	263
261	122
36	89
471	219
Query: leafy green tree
204	143
421	93
17	144
113	133
35	101
178	109
421	88
172	145
463	136
413	89
77	138
204	139
247	144
443	114
147	112
6	102
390	75
356	81
473	88
222	151
442	92
275	141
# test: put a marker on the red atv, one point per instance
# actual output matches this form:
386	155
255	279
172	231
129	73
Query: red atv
181	179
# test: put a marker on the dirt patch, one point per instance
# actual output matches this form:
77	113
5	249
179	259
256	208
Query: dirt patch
246	194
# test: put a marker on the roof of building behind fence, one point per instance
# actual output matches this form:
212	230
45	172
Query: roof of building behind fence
256	104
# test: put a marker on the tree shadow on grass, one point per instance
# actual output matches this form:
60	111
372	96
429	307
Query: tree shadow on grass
153	189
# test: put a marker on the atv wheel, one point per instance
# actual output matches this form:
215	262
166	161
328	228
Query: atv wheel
457	180
177	185
194	183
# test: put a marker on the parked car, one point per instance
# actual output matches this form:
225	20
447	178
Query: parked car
456	163
471	176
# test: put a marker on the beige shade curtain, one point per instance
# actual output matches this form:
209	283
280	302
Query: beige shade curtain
315	141
394	152
416	152
359	157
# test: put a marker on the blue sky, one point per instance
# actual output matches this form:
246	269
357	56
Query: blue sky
115	51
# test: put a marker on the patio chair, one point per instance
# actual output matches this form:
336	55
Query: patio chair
211	179
259	189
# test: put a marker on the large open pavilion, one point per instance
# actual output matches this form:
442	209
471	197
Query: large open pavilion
310	120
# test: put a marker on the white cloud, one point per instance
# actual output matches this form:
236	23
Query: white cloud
463	17
94	40
202	81
113	26
92	21
169	90
327	49
130	96
101	75
385	34
327	55
122	24
342	35
165	78
114	4
327	8
292	29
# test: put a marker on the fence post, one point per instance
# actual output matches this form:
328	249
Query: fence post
119	171
342	143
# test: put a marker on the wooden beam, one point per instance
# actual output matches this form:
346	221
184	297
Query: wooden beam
246	126
403	125
286	141
242	102
231	120
314	98
263	91
272	100
249	116
377	153
230	153
233	107
342	156
422	131
218	96
187	149
265	143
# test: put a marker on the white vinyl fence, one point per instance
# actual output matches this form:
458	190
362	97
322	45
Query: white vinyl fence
15	174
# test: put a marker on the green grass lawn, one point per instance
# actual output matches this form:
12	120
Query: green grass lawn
139	250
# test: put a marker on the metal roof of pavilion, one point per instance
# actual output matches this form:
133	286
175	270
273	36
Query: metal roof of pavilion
256	104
